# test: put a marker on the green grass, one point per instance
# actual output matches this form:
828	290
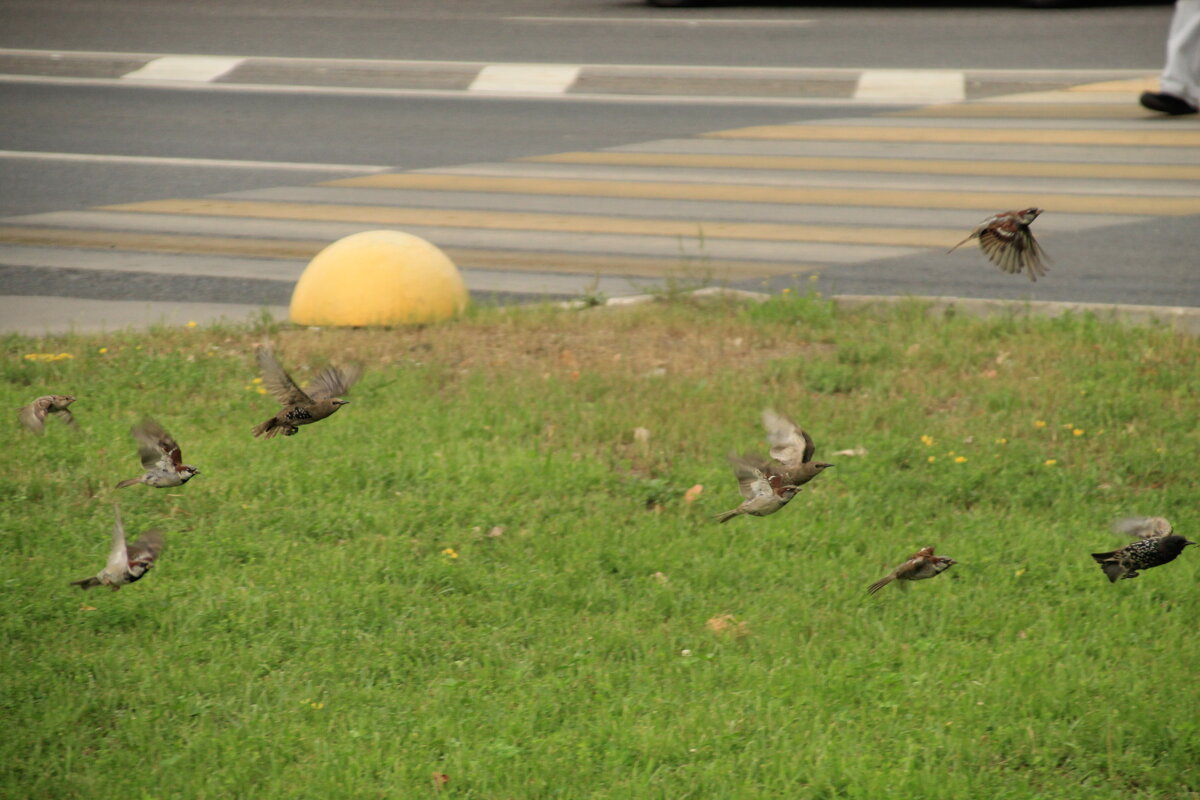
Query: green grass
309	632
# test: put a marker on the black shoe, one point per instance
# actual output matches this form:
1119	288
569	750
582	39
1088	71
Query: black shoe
1166	103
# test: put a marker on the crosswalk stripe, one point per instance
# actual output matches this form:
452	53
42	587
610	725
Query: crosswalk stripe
1042	169
743	193
185	68
303	250
995	110
558	223
1135	138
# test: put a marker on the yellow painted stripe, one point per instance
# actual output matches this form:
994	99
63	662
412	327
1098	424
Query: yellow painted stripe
549	223
1017	110
936	135
907	166
474	258
990	202
1131	85
160	242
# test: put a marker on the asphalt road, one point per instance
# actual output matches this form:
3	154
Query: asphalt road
855	34
242	141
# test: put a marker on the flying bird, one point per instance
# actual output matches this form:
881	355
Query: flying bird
33	416
920	565
791	452
315	402
160	456
126	563
1009	244
762	497
1157	544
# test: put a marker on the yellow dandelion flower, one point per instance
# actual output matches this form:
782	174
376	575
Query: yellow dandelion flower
1077	432
450	552
256	381
192	323
927	440
261	390
1050	462
787	291
1020	572
1039	423
102	350
317	706
1002	440
960	460
63	356
931	459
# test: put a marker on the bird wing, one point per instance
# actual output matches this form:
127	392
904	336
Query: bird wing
157	448
118	556
752	481
277	381
333	382
147	547
33	416
1144	527
1013	251
790	444
66	416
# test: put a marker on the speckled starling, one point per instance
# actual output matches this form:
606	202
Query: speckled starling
921	565
160	456
1157	544
762	497
791	452
126	563
300	407
33	416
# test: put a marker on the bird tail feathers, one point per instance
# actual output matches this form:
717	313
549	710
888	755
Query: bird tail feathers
269	428
727	515
1112	568
129	482
879	584
86	583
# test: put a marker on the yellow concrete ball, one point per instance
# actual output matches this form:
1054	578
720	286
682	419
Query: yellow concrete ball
378	278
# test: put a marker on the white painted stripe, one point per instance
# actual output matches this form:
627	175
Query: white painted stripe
362	91
163	161
679	21
185	68
534	78
918	85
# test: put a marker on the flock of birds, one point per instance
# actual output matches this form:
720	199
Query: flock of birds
767	484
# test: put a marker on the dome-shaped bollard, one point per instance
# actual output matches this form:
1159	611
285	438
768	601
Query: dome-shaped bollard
378	278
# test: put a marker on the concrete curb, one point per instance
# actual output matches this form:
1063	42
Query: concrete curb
1180	318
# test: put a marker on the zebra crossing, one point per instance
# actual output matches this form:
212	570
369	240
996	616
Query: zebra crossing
737	207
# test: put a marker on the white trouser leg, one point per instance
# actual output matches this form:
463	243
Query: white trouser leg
1181	75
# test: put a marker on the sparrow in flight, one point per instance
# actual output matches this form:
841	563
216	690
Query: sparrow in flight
126	563
160	457
921	565
33	416
1009	244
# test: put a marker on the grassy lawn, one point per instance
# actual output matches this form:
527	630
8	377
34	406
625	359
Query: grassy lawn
477	581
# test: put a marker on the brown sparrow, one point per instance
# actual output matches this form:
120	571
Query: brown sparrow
1008	242
33	416
301	407
1157	544
920	565
160	456
762	498
126	563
